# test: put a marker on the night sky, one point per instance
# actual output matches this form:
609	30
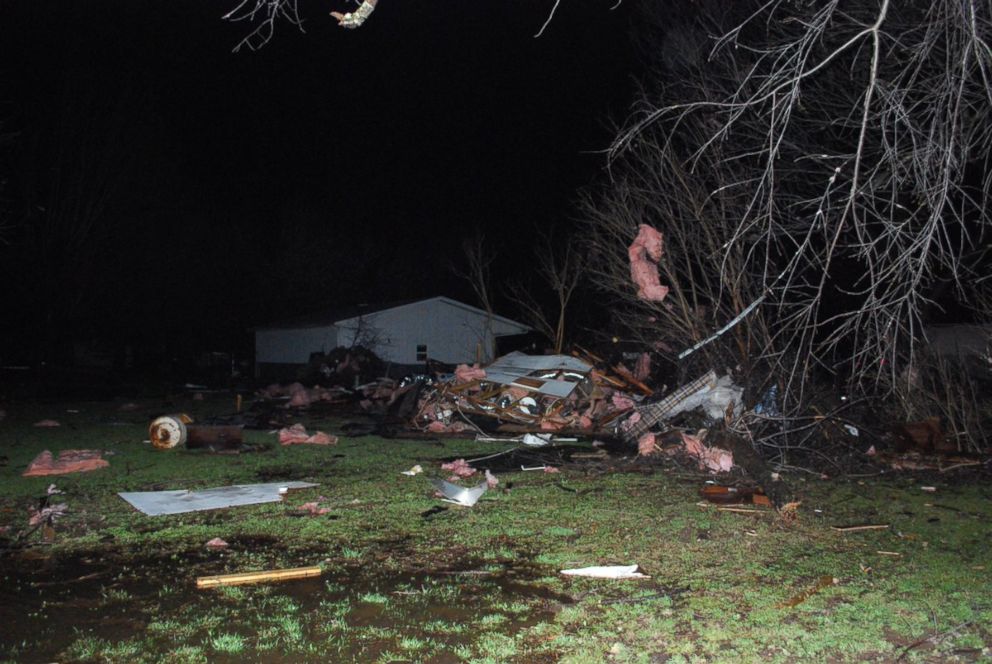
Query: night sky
327	168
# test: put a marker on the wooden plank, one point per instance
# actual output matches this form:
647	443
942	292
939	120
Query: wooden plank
257	577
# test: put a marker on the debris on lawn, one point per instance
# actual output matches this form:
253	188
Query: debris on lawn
731	495
156	503
257	577
860	527
313	508
458	468
459	495
169	431
297	435
47	515
416	470
607	572
216	543
822	582
47	424
69	461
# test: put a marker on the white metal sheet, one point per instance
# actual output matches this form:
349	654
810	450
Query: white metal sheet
155	503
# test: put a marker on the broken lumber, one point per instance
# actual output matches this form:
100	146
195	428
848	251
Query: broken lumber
245	578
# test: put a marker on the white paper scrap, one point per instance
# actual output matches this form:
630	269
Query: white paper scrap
607	572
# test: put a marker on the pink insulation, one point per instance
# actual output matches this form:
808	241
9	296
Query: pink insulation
466	374
297	435
644	253
714	459
646	444
458	468
69	461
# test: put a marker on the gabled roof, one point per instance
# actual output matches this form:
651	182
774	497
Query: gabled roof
329	317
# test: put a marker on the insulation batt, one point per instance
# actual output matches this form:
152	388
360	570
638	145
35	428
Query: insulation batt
69	461
466	374
644	253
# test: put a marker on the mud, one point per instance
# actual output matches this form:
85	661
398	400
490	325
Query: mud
49	601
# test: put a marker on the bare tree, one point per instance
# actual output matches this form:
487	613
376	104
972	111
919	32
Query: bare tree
856	134
559	266
476	271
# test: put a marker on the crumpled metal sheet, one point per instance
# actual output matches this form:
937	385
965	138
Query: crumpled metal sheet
460	495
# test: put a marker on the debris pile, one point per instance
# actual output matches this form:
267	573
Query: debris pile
528	393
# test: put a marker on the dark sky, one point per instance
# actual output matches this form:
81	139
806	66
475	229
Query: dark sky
328	167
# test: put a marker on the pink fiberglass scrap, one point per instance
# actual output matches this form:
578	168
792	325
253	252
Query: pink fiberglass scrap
297	435
314	509
714	459
644	253
466	374
647	444
642	369
299	397
459	468
437	426
69	461
47	424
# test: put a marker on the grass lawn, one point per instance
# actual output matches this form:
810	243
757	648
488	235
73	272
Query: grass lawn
404	581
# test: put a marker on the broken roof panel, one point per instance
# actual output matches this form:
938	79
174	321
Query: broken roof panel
519	370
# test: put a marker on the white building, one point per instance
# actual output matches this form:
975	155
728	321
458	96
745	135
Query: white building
404	334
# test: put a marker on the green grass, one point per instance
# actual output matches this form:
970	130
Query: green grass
479	584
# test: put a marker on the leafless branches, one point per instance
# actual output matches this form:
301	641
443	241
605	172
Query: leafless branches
852	139
267	11
559	267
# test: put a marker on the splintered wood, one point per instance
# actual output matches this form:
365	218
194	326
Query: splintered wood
245	578
822	582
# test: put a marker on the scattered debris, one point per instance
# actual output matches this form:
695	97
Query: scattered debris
257	577
859	528
607	572
216	543
69	461
459	495
416	470
169	431
297	435
156	503
730	495
313	509
822	582
458	468
47	424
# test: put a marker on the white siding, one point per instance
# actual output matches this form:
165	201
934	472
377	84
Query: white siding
450	331
293	346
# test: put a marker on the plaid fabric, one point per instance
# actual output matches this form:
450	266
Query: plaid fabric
653	413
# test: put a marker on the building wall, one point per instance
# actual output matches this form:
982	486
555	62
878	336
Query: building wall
293	346
450	332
